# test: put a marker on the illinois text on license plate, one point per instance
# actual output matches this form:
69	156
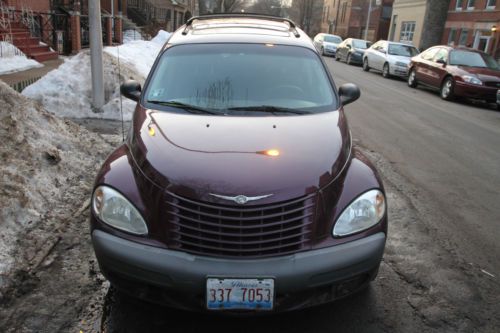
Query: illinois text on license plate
233	294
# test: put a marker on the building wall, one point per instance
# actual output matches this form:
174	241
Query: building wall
120	6
347	18
407	11
34	5
473	27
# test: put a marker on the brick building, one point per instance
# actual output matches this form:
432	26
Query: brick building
418	22
62	24
474	24
169	14
348	18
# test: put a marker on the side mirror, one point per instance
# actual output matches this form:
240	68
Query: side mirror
441	61
348	92
348	46
131	89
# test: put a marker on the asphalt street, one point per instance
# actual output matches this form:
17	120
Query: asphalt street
440	162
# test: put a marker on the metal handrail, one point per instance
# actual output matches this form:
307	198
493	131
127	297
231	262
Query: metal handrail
292	25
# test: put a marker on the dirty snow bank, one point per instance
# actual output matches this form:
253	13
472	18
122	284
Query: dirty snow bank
139	54
47	170
67	91
13	60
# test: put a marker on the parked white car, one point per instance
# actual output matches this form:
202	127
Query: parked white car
390	58
327	44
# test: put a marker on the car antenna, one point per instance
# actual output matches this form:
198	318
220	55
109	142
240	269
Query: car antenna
119	83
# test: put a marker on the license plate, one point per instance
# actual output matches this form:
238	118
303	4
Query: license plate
234	294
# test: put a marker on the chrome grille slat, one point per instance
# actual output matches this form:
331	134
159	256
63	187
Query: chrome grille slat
242	227
237	218
239	231
240	234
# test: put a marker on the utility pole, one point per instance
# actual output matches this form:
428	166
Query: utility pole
368	18
96	54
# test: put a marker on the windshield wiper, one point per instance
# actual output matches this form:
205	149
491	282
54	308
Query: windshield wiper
184	106
267	108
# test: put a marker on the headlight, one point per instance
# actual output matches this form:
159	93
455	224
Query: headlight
472	79
363	213
113	209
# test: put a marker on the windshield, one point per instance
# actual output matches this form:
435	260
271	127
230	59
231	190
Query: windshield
402	50
333	39
360	44
472	59
236	78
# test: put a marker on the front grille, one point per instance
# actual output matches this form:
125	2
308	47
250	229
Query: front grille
238	231
492	84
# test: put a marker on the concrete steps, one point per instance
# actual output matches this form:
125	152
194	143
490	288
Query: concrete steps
20	36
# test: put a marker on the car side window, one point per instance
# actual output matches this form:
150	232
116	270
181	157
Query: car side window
441	55
430	53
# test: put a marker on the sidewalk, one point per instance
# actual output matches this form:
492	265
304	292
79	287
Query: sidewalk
20	80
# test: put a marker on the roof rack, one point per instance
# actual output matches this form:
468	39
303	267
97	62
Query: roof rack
293	27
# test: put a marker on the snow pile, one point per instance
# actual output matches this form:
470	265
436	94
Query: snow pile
131	35
140	54
47	170
14	60
67	91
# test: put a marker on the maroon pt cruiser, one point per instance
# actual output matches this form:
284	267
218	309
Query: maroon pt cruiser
238	188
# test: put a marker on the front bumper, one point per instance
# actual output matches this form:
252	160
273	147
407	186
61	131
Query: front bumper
398	70
486	93
330	51
356	58
179	279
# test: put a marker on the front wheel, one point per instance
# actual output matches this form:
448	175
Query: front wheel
412	79
366	68
385	71
322	51
447	89
349	59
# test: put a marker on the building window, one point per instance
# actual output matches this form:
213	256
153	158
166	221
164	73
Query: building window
491	4
463	37
407	31
470	4
459	5
452	36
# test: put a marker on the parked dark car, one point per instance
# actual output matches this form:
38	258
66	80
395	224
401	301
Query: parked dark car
456	72
238	187
352	50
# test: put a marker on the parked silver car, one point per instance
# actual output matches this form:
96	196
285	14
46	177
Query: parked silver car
390	58
327	44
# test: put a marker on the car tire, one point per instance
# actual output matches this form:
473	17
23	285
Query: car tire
447	88
337	57
366	68
385	71
322	51
349	60
412	79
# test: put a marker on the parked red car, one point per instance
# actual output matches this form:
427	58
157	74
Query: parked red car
238	187
456	72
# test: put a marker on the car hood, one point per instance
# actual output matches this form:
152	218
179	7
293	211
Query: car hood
327	44
484	74
195	155
396	58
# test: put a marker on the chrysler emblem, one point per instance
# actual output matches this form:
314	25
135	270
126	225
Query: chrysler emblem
240	199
